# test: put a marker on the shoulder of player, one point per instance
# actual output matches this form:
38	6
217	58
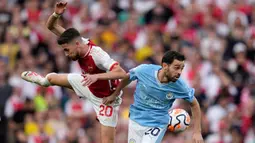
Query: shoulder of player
140	68
147	66
146	69
182	85
97	51
95	48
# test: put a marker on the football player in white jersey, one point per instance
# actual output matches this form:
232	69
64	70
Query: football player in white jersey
100	73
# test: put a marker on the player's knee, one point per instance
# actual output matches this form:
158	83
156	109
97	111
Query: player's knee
51	77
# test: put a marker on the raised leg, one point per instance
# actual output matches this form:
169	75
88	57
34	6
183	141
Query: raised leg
49	80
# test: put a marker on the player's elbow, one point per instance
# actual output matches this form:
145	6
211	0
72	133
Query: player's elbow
50	27
122	73
194	103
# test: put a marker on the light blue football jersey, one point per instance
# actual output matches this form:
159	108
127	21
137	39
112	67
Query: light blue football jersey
152	99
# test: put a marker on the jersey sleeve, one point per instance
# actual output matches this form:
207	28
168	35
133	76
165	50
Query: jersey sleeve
103	60
134	72
189	96
185	92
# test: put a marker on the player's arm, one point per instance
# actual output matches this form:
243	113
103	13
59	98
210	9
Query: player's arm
196	118
129	77
124	82
116	72
106	63
52	22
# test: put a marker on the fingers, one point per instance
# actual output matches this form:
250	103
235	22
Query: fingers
87	81
85	77
106	101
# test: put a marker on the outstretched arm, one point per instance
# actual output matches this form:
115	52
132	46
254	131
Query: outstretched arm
52	22
105	63
196	115
115	73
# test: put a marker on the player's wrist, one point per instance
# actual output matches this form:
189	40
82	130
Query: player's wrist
115	94
56	15
197	132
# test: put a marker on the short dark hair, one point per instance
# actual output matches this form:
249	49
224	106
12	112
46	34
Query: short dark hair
170	56
68	35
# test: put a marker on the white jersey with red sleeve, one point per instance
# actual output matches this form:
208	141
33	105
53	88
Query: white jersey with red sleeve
98	61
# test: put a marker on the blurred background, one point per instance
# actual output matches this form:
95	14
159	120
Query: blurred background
216	36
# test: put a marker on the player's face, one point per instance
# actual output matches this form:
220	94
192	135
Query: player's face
173	71
71	50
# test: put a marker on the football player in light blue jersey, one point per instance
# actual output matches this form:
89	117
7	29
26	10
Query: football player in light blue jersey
156	89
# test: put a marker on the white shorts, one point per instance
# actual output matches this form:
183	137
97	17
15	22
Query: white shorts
107	115
142	134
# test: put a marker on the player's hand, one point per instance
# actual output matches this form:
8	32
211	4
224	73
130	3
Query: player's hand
109	100
89	79
60	7
197	138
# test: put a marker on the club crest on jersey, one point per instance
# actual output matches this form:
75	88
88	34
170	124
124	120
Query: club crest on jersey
169	96
90	69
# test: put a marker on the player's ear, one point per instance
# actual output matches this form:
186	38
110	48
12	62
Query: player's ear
164	65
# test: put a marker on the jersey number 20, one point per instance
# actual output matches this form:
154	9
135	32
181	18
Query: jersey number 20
153	131
105	110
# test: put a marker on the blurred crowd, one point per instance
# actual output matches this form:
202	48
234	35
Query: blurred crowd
216	36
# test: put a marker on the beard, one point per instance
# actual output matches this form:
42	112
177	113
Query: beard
74	57
172	78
